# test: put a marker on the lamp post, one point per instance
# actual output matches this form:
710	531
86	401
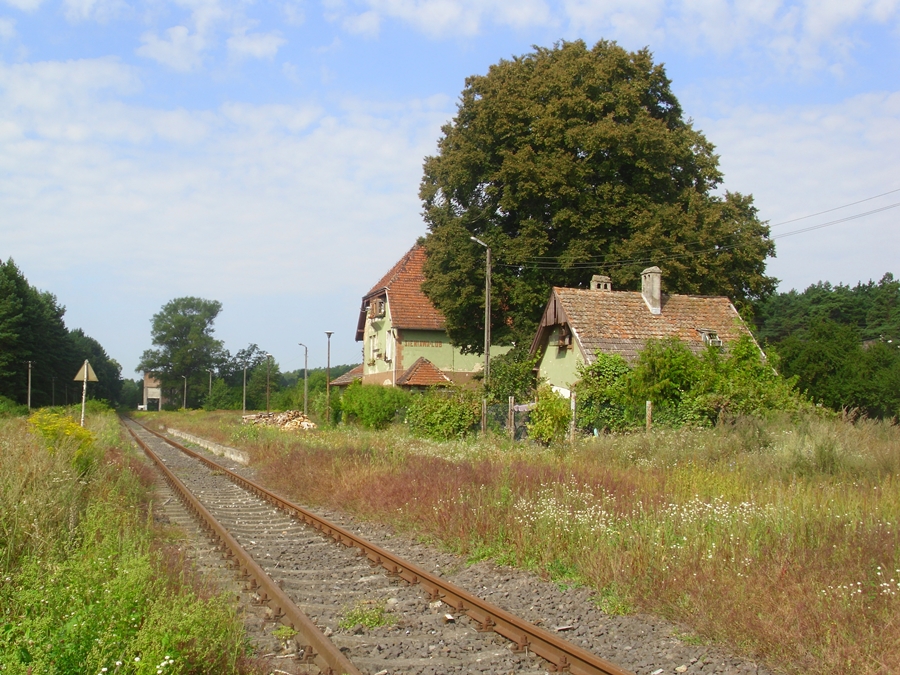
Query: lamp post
184	398
305	375
268	367
244	406
487	311
329	333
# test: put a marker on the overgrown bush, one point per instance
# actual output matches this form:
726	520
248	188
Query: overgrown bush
600	394
512	374
373	406
685	389
10	407
444	413
550	416
58	430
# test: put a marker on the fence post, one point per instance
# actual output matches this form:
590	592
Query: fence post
572	421
484	416
511	418
649	414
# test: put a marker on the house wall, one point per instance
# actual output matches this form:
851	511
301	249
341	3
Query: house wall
559	365
386	356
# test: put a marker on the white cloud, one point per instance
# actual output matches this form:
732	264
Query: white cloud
7	29
100	10
804	159
24	5
180	50
241	202
366	23
255	45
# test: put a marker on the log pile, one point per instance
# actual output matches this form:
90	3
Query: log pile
289	420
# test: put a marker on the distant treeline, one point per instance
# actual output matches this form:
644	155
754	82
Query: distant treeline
32	330
841	342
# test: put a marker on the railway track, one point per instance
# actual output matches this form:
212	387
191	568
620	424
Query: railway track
311	575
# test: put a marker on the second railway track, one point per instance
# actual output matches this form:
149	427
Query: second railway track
437	628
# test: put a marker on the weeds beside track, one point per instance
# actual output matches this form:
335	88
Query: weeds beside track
779	539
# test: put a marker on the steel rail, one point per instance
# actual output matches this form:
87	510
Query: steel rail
318	648
561	654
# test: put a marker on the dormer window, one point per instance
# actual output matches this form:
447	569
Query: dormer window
710	337
376	308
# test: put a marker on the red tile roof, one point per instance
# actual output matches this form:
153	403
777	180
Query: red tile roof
422	373
619	322
402	285
349	377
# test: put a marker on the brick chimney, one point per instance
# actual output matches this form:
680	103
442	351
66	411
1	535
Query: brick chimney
651	289
601	283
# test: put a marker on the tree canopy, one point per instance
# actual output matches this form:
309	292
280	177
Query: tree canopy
32	329
569	162
182	331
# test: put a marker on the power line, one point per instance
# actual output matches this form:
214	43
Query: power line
544	263
836	208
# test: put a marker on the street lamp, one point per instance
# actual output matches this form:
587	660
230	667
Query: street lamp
268	365
305	373
329	333
487	312
184	399
244	409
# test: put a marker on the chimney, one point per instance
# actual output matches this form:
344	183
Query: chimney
651	282
601	283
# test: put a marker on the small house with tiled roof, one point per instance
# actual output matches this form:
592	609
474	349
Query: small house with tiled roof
403	335
578	323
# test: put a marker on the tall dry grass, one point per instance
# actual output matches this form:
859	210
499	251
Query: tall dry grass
778	538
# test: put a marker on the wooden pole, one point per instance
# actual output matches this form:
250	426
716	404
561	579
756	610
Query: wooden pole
649	414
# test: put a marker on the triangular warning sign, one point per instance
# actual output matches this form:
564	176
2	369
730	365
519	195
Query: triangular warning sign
91	375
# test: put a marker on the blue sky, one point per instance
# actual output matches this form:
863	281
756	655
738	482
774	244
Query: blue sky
268	154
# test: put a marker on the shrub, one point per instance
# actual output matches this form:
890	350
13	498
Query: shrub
10	407
443	414
373	406
600	394
550	416
512	374
61	432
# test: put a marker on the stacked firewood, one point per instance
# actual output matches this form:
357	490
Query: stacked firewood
289	420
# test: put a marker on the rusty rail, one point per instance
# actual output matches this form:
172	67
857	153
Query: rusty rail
318	649
561	654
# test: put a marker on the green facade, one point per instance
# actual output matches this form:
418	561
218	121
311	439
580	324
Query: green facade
559	364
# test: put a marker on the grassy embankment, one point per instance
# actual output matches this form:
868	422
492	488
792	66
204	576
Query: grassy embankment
87	585
779	539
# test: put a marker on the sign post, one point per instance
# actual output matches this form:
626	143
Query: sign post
85	374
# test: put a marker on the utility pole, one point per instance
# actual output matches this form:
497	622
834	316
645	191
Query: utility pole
244	409
305	377
209	395
268	364
329	333
29	384
487	311
184	398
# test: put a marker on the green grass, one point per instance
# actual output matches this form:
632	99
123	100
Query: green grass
87	586
370	614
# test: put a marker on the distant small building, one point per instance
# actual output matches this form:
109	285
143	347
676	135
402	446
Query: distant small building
578	324
153	398
404	340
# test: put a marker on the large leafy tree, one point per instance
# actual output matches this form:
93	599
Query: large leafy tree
182	332
569	162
